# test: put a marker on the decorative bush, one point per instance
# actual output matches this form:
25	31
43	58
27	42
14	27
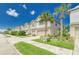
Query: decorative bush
50	35
18	33
13	33
21	33
45	38
33	35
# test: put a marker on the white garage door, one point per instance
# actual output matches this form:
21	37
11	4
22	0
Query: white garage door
76	50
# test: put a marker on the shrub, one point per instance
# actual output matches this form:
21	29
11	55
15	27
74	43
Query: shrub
33	35
45	39
21	33
18	33
50	35
13	33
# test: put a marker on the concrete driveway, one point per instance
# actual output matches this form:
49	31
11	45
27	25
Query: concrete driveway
5	47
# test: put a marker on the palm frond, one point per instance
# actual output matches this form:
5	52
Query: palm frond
52	19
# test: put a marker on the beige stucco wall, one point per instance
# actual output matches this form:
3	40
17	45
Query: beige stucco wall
39	29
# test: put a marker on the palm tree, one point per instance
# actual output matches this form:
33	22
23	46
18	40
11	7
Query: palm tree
60	11
45	17
52	21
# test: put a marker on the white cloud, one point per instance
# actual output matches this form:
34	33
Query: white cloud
2	30
32	12
24	6
12	12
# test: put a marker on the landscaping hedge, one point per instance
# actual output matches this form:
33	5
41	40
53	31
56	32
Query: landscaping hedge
18	33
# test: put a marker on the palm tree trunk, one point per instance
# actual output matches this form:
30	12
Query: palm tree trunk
45	28
54	28
61	28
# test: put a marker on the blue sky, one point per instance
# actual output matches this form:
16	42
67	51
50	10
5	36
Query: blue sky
16	14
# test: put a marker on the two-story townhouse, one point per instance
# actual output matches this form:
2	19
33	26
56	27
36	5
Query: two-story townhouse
74	27
18	28
38	28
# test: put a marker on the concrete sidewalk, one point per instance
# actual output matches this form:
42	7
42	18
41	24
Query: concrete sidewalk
54	49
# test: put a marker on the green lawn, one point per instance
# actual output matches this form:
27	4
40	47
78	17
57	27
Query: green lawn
28	49
63	44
